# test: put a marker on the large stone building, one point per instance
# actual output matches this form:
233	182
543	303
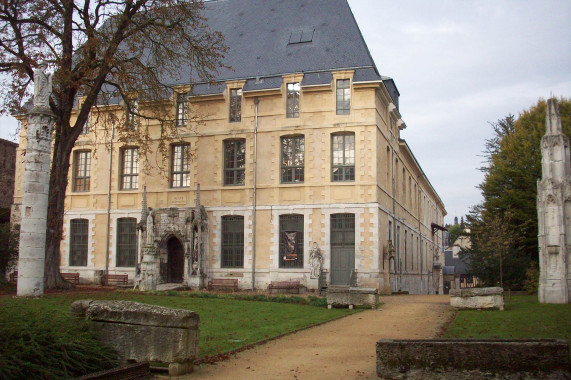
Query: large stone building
7	177
299	154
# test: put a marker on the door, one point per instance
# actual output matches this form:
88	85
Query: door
175	262
342	248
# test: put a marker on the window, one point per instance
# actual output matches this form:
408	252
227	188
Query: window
87	125
132	114
180	165
130	169
293	159
78	241
343	157
234	162
343	96
81	170
232	241
126	242
292	100
235	104
405	251
181	110
291	241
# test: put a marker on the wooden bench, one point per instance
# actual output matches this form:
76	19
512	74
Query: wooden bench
71	277
284	285
115	279
14	277
223	283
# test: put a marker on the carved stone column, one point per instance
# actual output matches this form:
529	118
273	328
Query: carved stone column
35	191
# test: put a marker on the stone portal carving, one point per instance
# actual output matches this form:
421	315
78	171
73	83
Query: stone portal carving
35	189
554	211
190	226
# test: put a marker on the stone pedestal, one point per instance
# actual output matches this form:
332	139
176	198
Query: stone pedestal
35	191
477	298
194	282
150	268
351	296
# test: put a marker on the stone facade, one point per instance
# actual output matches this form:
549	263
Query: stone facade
554	212
7	177
383	212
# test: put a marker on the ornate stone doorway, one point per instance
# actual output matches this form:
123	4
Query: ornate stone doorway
175	261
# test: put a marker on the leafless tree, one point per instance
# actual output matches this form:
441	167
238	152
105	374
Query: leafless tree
127	52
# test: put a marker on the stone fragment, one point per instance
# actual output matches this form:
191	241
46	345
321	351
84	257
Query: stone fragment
141	332
477	298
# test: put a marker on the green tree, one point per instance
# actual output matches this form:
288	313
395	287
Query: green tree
454	232
506	221
102	51
8	247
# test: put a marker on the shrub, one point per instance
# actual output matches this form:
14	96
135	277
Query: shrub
531	282
46	345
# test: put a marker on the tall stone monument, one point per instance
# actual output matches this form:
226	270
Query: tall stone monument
554	212
35	188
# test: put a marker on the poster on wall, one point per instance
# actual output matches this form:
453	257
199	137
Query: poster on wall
289	244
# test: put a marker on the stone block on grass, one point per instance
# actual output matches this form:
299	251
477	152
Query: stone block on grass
145	333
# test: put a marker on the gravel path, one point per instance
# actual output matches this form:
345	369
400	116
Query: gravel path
342	349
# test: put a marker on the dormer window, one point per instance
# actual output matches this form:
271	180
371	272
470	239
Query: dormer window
292	100
235	104
181	110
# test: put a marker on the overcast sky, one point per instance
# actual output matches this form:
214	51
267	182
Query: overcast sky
459	65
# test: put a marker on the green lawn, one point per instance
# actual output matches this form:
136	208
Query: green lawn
225	323
523	317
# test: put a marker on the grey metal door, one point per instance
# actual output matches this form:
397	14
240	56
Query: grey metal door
342	248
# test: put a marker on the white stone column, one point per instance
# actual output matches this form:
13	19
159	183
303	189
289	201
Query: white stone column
35	203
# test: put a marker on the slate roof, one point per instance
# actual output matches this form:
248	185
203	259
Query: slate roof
258	35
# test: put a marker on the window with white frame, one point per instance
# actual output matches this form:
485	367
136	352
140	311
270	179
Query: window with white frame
130	169
293	159
343	157
292	101
180	165
343	93
81	170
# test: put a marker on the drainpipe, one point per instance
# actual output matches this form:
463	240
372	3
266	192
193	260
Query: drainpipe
419	228
109	198
256	101
397	258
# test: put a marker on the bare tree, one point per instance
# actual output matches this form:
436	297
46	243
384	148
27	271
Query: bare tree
102	52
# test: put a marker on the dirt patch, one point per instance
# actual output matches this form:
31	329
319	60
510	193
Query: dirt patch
342	349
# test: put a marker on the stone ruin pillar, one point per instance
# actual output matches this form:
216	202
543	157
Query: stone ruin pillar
554	212
35	203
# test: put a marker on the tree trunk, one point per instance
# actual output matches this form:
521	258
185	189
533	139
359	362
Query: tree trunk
56	207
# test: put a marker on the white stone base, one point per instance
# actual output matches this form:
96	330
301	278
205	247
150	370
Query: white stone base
477	298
